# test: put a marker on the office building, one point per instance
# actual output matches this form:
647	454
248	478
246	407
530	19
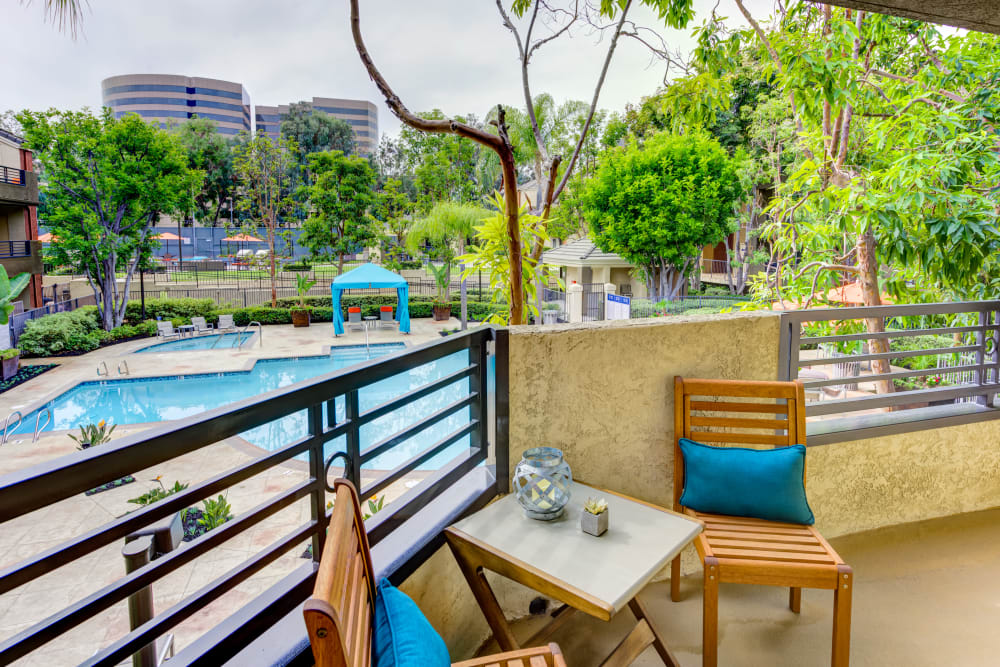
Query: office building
361	115
169	99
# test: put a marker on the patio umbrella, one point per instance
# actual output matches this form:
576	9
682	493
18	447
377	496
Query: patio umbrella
848	295
167	236
241	239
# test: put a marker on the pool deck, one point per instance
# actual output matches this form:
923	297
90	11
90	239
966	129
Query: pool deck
48	527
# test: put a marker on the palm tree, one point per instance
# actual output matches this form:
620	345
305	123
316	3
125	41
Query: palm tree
65	14
446	227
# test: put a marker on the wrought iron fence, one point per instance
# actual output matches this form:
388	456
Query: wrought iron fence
406	520
18	321
557	297
646	308
838	354
593	301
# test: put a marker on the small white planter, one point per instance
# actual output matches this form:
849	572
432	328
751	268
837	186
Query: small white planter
594	524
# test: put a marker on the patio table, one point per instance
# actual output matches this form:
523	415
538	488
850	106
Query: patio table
186	330
599	576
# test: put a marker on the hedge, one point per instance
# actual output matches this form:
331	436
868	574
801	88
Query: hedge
170	309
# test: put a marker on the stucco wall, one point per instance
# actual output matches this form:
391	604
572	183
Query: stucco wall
603	393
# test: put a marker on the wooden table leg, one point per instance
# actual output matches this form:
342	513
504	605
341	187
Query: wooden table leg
487	601
641	614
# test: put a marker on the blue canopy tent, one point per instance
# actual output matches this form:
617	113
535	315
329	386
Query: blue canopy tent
369	276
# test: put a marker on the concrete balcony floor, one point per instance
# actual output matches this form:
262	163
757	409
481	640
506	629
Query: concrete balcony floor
925	593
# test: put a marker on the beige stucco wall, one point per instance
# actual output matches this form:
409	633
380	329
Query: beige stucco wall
603	393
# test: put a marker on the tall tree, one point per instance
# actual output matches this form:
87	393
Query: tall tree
316	131
675	13
393	208
446	228
341	197
658	204
262	169
107	180
209	152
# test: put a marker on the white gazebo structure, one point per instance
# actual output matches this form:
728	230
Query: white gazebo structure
584	263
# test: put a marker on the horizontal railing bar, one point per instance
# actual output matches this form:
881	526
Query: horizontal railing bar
857	379
402	469
416	498
150	630
23	572
78	612
898	398
899	333
875	312
29	489
888	355
388	443
409	397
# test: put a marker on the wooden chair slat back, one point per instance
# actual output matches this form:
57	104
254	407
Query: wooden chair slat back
339	615
711	412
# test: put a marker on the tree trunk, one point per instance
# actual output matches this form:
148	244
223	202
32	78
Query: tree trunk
340	263
274	291
871	295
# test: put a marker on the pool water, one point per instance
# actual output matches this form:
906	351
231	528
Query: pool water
205	342
144	400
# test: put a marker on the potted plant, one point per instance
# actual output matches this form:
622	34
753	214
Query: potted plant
594	517
300	314
550	312
442	307
11	360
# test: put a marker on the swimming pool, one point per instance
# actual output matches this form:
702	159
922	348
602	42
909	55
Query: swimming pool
218	341
144	400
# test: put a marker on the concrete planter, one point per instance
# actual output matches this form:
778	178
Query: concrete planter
550	316
594	524
10	367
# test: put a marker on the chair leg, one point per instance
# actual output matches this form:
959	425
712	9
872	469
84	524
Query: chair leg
795	599
675	579
842	617
710	615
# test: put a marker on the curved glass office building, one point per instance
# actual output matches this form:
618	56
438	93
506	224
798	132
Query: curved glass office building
170	99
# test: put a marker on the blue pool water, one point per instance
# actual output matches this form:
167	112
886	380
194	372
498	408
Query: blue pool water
144	400
219	341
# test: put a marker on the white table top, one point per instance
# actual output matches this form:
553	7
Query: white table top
613	568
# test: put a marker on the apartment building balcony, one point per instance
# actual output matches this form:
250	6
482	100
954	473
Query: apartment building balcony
18	187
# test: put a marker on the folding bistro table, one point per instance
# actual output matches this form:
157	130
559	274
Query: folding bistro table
599	576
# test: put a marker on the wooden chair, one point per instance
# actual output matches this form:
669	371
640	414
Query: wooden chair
754	551
340	614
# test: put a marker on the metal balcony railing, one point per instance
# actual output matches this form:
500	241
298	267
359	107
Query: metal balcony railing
11	249
936	363
12	176
405	520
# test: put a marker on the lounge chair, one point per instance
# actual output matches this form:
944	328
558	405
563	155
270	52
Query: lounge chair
225	323
740	550
166	330
386	319
340	614
354	319
200	325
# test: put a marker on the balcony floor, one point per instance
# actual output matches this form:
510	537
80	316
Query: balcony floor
925	593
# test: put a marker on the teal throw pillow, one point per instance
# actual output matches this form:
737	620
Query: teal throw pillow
758	483
403	636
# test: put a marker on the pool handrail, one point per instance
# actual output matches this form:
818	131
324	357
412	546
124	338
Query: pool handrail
260	334
48	420
6	425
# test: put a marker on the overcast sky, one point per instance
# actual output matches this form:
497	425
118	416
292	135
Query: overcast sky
454	55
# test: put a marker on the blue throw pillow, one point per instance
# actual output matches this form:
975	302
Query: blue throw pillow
758	483
403	636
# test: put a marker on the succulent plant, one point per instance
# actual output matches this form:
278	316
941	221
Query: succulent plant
595	506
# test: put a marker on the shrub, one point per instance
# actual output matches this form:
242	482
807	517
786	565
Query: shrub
127	331
262	314
169	309
9	354
59	333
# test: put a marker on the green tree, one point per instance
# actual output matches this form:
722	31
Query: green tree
316	131
393	208
446	228
341	197
262	169
658	204
209	152
107	180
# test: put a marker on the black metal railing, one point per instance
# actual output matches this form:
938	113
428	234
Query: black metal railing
593	301
12	176
645	308
887	369
9	249
42	485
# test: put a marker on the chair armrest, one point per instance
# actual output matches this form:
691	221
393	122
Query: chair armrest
551	655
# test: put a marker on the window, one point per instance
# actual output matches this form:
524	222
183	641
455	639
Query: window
144	87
